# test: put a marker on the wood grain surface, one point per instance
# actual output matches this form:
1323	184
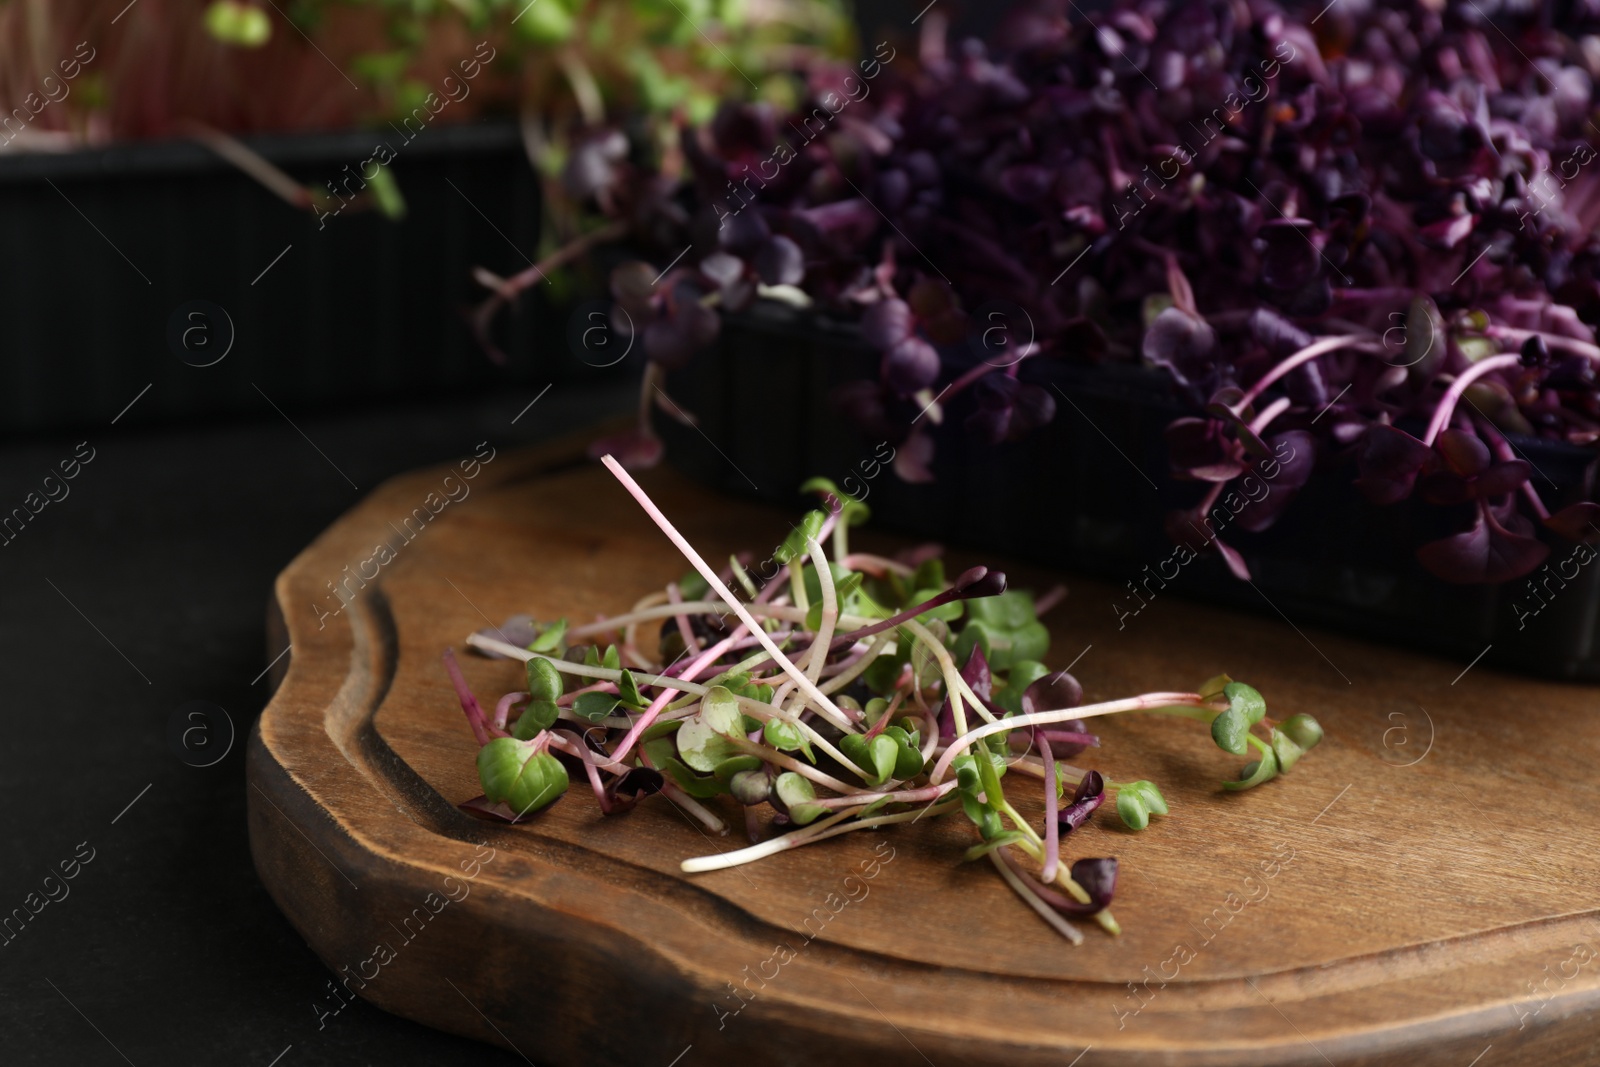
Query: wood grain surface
1420	890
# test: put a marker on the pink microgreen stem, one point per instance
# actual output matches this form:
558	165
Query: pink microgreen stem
1305	355
502	710
481	729
1458	388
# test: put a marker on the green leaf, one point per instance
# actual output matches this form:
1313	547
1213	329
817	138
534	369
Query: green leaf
591	656
845	590
538	716
1303	730
629	690
948	612
1003	648
512	773
1262	770
1010	610
1015	682
693	586
691	783
805	531
796	794
544	680
731	766
1230	731
854	512
545	22
1286	750
612	660
549	640
1131	808
709	736
386	192
928	575
1246	701
882	673
786	736
594	707
1000	840
660	729
1212	688
1152	797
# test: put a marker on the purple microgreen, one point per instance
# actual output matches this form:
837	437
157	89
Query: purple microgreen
1086	799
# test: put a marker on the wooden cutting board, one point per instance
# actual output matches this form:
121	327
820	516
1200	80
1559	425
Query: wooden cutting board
1421	890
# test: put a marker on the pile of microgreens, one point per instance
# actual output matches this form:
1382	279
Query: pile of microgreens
828	692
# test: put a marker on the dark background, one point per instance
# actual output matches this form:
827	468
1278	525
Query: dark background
145	589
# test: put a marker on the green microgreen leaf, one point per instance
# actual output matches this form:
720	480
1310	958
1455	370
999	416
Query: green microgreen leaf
512	772
805	531
1246	701
544	680
1286	750
712	734
786	736
550	639
594	707
854	512
1230	731
538	716
591	656
612	660
731	766
691	783
796	794
1137	801
1262	770
629	690
1303	730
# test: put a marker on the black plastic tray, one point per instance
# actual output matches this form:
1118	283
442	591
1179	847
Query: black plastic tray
1088	494
101	248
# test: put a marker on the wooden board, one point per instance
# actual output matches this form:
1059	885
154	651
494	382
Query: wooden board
1420	889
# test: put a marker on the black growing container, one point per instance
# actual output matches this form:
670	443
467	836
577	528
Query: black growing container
104	250
1089	492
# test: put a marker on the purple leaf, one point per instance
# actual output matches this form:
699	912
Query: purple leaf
1389	461
1577	522
1089	795
886	323
1486	552
910	365
975	674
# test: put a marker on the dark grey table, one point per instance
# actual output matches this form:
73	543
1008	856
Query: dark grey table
143	588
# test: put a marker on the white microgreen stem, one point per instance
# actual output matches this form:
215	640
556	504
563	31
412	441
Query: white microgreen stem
825	706
1305	355
1045	911
581	669
1458	388
797	585
805	770
830	611
1041	718
692	806
1052	828
807	835
953	682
